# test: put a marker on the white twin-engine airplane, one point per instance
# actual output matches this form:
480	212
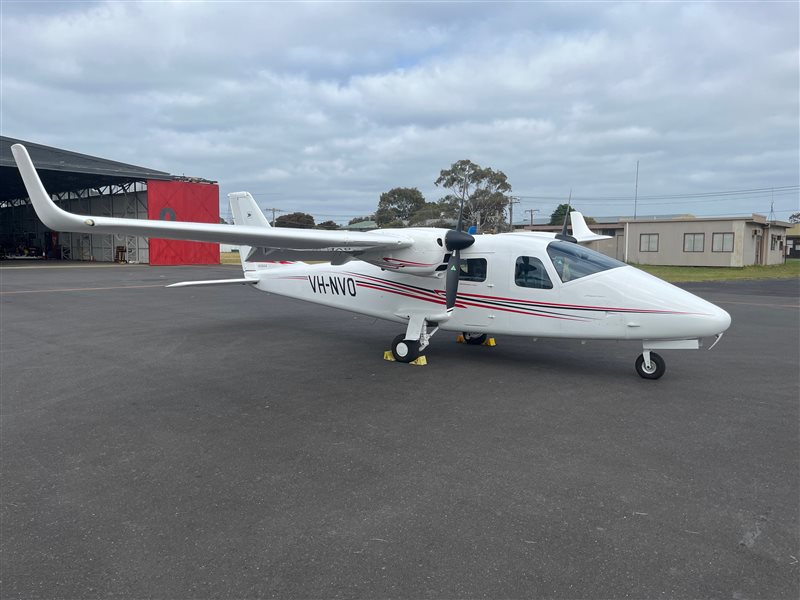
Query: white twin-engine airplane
529	284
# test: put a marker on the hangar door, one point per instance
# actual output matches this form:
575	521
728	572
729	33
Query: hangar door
183	201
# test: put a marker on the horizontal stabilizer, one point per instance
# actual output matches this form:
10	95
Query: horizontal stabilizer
213	282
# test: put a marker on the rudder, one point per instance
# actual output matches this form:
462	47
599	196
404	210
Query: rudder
245	210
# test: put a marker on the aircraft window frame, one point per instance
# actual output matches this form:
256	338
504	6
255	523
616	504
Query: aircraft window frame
473	270
579	261
535	276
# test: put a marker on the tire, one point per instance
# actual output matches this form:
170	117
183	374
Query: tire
403	350
657	366
474	339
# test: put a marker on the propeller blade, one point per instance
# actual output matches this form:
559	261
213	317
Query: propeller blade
455	241
451	280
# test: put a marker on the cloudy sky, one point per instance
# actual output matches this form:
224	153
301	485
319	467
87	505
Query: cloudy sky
322	106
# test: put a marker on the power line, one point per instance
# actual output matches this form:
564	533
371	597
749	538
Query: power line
781	190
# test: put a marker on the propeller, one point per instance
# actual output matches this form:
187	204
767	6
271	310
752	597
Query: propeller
455	241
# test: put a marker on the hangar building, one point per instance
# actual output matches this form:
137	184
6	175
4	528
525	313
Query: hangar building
89	185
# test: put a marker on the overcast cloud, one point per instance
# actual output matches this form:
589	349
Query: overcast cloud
321	107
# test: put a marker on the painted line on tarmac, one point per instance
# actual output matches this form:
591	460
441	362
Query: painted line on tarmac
89	266
795	306
92	289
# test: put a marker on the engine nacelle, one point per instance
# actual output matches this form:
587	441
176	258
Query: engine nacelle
427	256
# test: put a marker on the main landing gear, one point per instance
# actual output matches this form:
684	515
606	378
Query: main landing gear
404	350
650	365
407	347
474	339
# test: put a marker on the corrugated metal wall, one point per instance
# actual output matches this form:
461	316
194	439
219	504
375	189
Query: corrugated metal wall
76	246
183	201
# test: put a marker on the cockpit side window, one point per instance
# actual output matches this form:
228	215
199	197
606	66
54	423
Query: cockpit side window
573	261
529	272
472	269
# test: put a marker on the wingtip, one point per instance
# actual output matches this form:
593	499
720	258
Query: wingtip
45	208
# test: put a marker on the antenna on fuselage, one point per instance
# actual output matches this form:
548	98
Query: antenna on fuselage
563	235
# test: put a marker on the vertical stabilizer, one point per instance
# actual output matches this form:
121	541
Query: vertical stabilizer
246	212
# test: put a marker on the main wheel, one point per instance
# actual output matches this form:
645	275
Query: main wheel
404	350
474	339
657	366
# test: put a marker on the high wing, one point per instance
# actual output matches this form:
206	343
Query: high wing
285	241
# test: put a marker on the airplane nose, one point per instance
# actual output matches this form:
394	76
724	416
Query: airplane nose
722	320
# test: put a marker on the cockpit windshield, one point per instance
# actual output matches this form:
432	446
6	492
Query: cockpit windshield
573	261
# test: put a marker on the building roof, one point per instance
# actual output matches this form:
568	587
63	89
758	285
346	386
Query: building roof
65	171
751	218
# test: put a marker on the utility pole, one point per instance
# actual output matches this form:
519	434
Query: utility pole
274	210
635	203
512	200
636	191
532	211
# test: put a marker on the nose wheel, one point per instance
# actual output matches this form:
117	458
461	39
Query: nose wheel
650	365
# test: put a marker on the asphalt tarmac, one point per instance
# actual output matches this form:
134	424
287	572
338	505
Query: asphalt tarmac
223	443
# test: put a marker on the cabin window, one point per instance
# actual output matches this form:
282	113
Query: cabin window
648	242
529	272
722	242
573	261
693	242
472	269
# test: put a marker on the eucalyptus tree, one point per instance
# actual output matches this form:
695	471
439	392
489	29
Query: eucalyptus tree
483	191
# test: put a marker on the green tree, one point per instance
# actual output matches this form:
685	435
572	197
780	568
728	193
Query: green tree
483	192
436	214
449	206
328	225
298	220
557	218
355	220
398	204
794	218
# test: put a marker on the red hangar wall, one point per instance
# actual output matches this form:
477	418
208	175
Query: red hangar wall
183	201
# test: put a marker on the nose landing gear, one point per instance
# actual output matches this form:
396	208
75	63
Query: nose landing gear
650	365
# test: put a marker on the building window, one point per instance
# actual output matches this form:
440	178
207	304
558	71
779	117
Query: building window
722	242
648	242
775	242
693	242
